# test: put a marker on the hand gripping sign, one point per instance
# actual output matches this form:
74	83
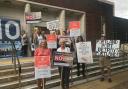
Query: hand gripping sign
9	30
42	67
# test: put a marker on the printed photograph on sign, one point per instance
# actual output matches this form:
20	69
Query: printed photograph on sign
108	48
84	52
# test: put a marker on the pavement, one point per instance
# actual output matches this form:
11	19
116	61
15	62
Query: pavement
95	84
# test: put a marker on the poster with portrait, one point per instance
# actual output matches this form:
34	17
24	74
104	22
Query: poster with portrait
51	41
42	67
108	48
63	59
84	52
74	27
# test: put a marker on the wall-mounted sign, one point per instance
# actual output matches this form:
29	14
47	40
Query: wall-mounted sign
33	17
53	25
74	27
9	30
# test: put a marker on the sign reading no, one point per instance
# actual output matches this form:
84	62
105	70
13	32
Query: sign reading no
9	30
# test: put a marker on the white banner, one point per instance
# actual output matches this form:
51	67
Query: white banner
84	52
108	48
53	25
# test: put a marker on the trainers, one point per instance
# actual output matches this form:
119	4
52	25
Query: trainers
109	80
102	79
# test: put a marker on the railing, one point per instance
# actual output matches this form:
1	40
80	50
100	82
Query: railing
15	61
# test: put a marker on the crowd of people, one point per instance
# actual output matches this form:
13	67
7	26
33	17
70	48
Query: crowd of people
63	45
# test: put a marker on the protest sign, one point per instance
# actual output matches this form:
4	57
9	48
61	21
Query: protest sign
53	25
52	41
66	39
42	67
74	27
84	52
63	59
33	17
108	48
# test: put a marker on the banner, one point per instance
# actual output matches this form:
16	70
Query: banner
53	25
33	17
42	67
74	27
52	41
9	30
84	52
63	59
108	48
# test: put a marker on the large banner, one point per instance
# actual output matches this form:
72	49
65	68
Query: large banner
52	41
84	52
63	59
74	27
108	48
33	17
53	25
9	30
42	67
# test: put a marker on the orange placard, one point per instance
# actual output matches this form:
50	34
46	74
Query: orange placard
74	25
51	38
42	61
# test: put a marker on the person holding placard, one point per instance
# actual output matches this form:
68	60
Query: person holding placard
65	70
43	61
104	62
79	65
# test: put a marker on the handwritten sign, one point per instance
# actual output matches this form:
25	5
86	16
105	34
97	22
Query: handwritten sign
84	52
107	48
53	25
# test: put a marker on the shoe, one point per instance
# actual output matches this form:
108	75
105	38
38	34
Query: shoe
109	80
102	79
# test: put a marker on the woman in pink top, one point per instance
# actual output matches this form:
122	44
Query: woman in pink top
42	50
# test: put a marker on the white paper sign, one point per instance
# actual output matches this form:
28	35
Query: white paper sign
108	48
53	25
84	52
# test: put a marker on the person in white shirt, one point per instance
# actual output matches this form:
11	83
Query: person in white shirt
65	70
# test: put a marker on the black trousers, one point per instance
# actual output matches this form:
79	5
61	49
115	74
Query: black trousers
79	65
64	74
24	50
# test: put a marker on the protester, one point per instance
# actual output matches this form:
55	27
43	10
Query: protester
38	36
104	62
24	42
79	65
64	71
42	50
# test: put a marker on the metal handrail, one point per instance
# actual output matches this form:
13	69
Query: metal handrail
14	59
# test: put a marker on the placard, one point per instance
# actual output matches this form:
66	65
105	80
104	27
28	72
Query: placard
63	59
74	27
53	25
84	52
108	48
52	41
33	17
42	67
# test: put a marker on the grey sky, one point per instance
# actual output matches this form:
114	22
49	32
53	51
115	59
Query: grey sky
121	8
